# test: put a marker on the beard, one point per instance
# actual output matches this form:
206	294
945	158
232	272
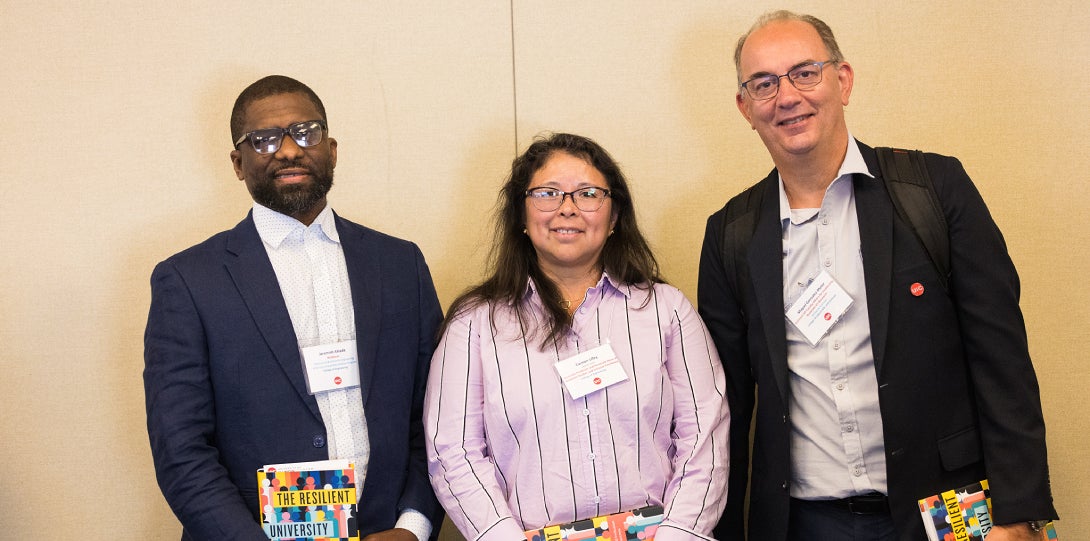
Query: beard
293	199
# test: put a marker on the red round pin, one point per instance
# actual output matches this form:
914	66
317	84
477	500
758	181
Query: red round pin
828	316
337	380
916	289
597	381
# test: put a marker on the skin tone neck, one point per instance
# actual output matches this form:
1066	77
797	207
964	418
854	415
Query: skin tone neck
574	282
805	178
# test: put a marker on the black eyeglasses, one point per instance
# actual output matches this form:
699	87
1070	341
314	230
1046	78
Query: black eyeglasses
803	77
587	199
267	140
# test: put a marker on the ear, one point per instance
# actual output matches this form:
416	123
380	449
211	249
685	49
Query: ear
740	101
332	152
845	75
236	162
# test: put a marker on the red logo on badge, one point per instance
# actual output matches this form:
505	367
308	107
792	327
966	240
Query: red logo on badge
337	380
828	316
916	289
597	381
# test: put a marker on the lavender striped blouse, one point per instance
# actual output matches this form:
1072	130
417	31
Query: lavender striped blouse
509	449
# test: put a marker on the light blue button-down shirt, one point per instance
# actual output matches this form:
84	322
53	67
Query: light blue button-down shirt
837	446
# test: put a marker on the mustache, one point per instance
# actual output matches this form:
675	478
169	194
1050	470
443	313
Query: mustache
291	165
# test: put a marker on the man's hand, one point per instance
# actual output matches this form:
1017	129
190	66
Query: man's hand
398	534
1019	531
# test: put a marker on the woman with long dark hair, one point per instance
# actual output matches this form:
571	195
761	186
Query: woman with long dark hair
574	382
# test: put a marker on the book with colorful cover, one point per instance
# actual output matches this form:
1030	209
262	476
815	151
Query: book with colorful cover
309	501
636	525
963	514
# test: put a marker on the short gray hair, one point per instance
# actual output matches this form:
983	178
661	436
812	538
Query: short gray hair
823	30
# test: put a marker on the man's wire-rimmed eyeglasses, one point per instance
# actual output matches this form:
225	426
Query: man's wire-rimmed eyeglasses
803	77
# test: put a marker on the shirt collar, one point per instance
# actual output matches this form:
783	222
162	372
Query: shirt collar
853	164
274	227
853	161
605	281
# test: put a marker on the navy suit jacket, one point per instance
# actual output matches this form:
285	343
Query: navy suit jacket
224	383
958	395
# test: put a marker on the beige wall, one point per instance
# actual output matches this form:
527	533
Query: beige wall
115	140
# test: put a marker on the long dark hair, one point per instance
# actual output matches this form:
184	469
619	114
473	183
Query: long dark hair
512	259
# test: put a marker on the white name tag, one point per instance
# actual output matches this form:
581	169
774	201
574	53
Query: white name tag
331	366
591	371
819	308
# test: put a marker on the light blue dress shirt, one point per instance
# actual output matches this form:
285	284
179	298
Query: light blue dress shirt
837	446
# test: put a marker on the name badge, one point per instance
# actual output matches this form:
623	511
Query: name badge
591	371
819	308
331	366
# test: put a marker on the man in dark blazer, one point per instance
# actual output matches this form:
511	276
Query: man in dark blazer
224	372
914	388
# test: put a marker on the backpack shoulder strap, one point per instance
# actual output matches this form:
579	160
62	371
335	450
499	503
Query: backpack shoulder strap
739	223
914	198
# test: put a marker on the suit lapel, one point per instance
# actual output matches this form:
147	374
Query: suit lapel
765	259
365	280
875	214
248	264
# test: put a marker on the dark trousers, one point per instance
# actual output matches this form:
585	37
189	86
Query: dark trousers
822	521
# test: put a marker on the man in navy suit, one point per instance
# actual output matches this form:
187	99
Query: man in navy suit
237	372
907	386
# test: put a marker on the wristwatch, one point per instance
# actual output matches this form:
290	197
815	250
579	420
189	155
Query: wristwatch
1037	526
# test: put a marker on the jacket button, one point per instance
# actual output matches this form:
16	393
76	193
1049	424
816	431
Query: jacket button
319	441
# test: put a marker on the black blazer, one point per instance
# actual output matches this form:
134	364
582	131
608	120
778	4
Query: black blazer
224	384
958	395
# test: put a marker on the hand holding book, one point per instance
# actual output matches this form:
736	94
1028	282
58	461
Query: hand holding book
309	501
964	514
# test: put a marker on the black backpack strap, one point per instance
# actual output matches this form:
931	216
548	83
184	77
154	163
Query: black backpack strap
739	223
913	195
